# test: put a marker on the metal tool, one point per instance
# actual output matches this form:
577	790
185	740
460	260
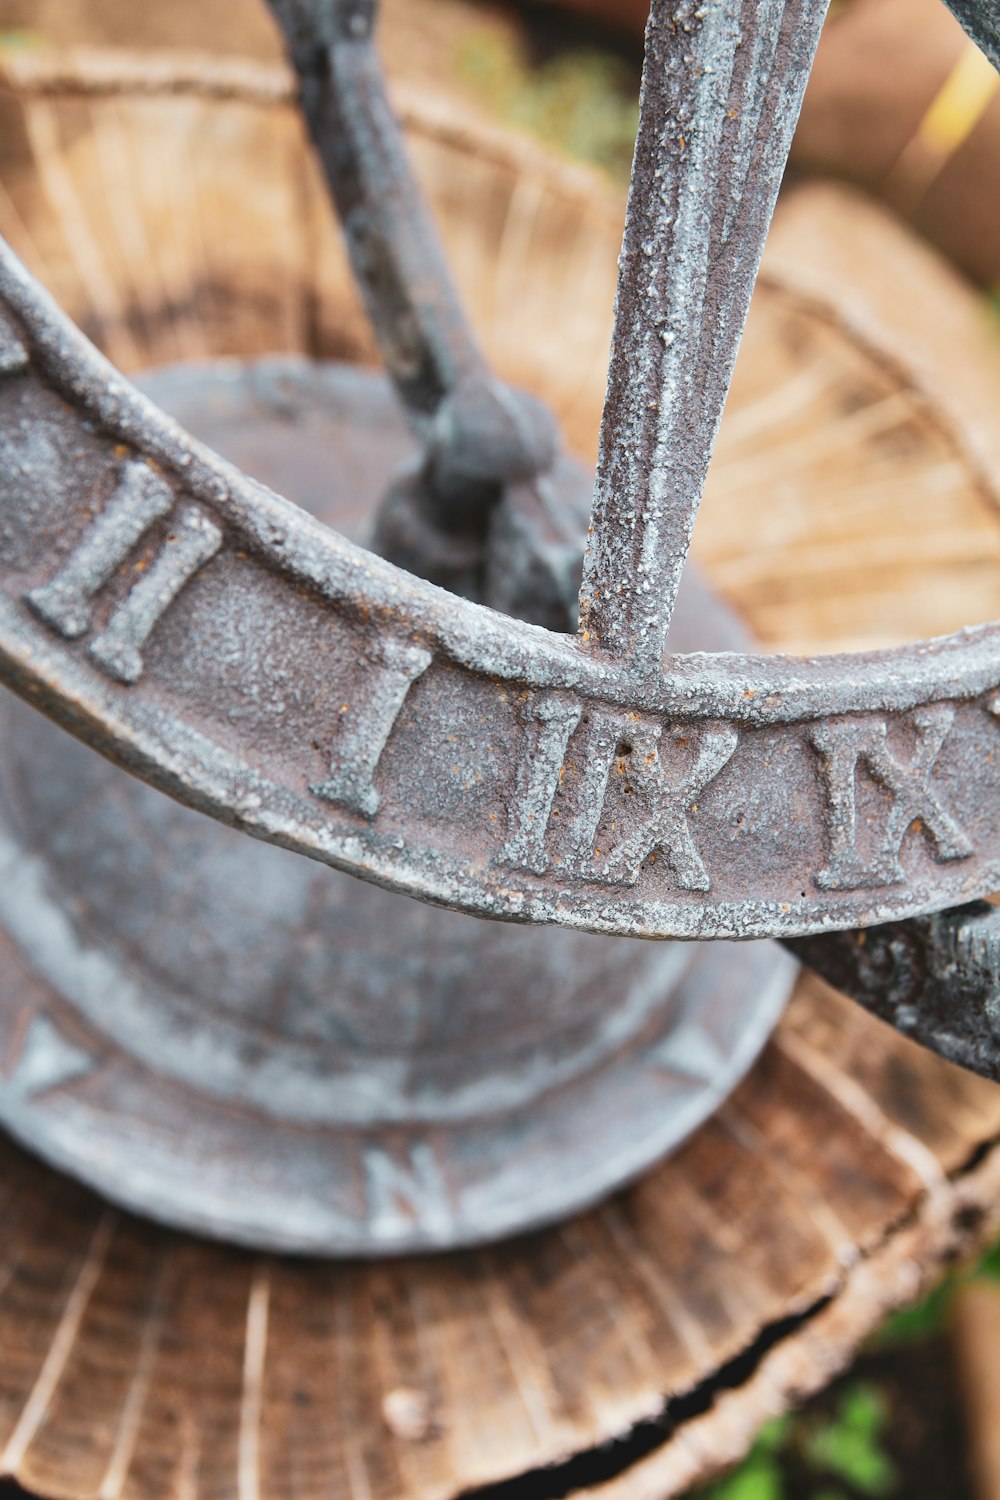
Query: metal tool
254	1046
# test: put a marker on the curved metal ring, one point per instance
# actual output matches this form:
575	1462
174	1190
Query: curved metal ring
216	641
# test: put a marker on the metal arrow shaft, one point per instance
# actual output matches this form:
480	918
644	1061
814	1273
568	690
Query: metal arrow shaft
722	85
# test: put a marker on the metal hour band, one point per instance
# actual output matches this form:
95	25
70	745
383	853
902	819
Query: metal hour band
212	638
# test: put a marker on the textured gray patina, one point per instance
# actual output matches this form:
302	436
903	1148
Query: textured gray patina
722	86
253	663
734	771
217	1032
670	797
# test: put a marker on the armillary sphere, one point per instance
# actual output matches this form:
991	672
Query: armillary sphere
236	1040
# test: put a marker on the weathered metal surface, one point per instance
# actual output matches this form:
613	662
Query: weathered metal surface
935	978
721	796
481	440
238	654
758	796
722	85
309	1062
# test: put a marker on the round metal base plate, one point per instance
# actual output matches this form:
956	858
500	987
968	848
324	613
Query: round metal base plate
229	1038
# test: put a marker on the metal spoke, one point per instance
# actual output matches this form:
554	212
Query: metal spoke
480	438
397	260
722	86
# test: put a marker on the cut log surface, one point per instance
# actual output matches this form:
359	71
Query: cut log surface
846	1173
854	500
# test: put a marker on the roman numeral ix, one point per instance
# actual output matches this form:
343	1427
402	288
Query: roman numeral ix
610	747
845	745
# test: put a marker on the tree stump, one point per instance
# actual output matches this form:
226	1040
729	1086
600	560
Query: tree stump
923	133
854	501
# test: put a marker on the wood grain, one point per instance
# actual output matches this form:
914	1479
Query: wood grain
731	1280
853	500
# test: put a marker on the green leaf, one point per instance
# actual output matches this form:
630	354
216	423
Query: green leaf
849	1448
864	1410
919	1322
989	1266
774	1435
759	1478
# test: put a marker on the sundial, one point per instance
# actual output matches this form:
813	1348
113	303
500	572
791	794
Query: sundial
430	684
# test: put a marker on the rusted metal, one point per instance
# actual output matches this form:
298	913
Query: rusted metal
240	655
722	86
786	791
